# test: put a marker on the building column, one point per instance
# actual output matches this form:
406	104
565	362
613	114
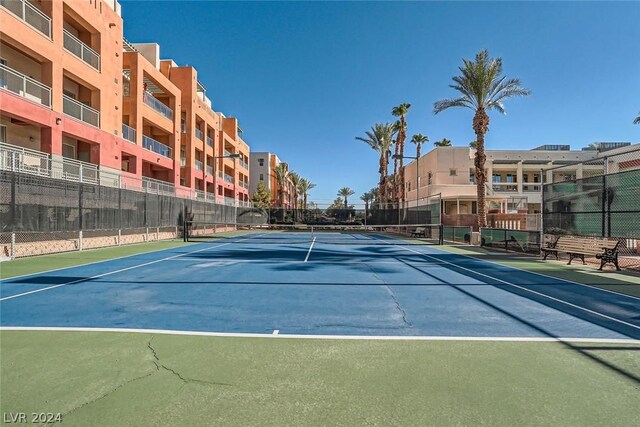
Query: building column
519	177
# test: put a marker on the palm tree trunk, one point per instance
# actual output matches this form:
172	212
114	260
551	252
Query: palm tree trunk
383	179
418	150
480	127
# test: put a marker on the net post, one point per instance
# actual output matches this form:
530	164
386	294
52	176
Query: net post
441	236
184	230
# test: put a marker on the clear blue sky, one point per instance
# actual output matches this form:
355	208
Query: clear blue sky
304	79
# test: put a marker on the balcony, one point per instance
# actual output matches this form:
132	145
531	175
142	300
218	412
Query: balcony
199	134
228	178
505	187
199	165
227	152
156	146
183	162
209	170
157	105
78	110
129	133
210	141
244	184
24	160
230	201
74	45
243	164
150	185
26	87
531	188
29	14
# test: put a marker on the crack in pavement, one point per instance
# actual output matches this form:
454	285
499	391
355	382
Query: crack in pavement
158	365
392	294
177	374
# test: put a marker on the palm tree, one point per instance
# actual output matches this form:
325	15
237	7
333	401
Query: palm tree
444	142
346	192
474	145
594	146
637	120
367	198
483	88
282	173
380	138
419	139
295	180
398	163
304	186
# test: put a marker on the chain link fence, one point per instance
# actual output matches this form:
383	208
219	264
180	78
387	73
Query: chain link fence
599	198
42	215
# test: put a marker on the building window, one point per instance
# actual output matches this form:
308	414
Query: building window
3	133
408	186
472	178
183	122
497	178
453	172
511	177
261	177
261	162
429	178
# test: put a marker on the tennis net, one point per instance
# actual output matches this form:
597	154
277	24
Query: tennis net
327	234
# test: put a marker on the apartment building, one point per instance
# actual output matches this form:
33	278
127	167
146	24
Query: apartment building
514	176
262	169
77	96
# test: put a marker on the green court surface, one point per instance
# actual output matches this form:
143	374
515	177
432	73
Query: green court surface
143	379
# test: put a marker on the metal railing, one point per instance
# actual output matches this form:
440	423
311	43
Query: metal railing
199	134
78	110
228	178
157	105
230	201
29	14
156	186
75	170
198	165
156	146
74	45
26	87
129	133
200	194
210	141
24	160
243	164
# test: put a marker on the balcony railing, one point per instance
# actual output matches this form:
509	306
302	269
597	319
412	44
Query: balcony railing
157	105
209	170
29	14
18	159
502	187
156	146
156	186
210	141
230	201
76	109
227	152
531	188
199	134
199	165
243	164
24	86
81	50
129	133
75	170
228	178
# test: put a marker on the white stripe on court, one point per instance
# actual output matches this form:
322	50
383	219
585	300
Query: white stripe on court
310	248
324	337
276	332
110	272
527	290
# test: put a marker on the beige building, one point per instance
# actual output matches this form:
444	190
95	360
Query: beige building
514	176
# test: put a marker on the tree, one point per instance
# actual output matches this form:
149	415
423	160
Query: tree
282	173
367	198
380	138
637	120
261	197
295	180
346	192
444	142
594	146
419	139
483	88
474	145
304	186
398	163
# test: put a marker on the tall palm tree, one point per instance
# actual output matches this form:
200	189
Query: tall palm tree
295	180
304	186
483	88
346	192
367	198
444	142
282	174
398	163
419	139
380	138
637	120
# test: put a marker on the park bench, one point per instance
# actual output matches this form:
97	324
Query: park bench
578	247
419	232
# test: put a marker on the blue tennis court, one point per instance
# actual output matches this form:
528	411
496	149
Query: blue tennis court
328	284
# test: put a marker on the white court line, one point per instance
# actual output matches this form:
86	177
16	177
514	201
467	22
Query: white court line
528	290
310	248
276	332
110	272
543	275
324	337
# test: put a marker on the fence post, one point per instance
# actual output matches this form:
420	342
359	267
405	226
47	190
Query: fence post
506	243
604	197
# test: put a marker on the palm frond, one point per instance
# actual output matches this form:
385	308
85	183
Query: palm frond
442	105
